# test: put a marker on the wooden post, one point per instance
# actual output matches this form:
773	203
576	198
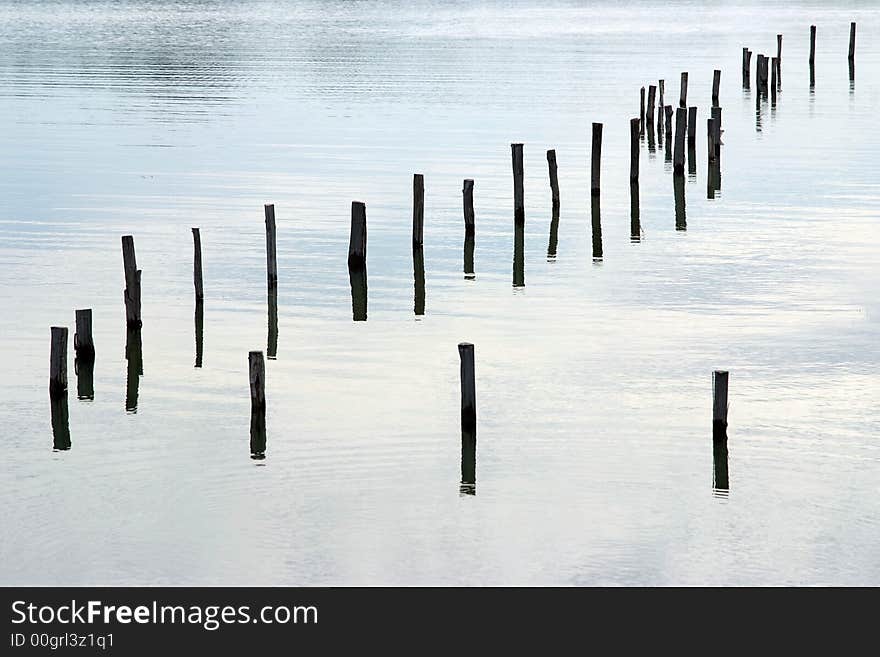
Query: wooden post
197	264
678	192
692	127
652	94
682	99
418	209
710	139
747	67
554	181
468	387
357	244
596	159
58	363
716	85
716	127
257	376
779	59
419	280
642	112
596	224
634	150
852	41
635	224
668	111
680	129
812	55
519	208
83	343
132	293
271	260
719	401
468	192
774	67
661	109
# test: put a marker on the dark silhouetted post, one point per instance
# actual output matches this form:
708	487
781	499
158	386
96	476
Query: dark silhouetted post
519	208
418	209
596	159
716	126
634	150
419	280
812	55
678	191
197	264
661	105
271	261
272	336
852	42
468	387
469	228
135	368
132	293
649	115
58	363
357	244
60	423
774	68
720	479
200	331
554	181
519	257
257	376
710	139
680	133
719	403
747	68
779	59
683	97
716	85
667	110
692	127
642	112
84	360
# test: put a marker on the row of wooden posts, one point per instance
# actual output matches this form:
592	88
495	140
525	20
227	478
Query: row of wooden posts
685	125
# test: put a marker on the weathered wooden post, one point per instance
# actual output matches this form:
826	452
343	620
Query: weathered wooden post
649	116
419	280
199	320
134	355
468	387
812	56
418	209
197	264
682	99
719	403
642	112
680	128
710	139
852	41
661	110
692	127
84	355
272	333
774	67
720	478
747	68
779	59
596	159
58	363
469	228
554	181
716	85
257	377
271	260
132	293
519	208
634	150
763	63
60	423
667	110
357	243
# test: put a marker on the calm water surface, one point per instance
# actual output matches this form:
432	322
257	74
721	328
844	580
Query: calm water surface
594	450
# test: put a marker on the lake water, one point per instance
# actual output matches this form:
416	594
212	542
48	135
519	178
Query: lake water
594	460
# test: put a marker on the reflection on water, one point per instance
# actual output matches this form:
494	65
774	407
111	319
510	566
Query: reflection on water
257	376
720	481
678	190
134	369
200	329
596	223
84	367
60	423
419	275
519	259
635	225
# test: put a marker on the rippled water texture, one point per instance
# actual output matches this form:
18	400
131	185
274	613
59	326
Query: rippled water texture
595	461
